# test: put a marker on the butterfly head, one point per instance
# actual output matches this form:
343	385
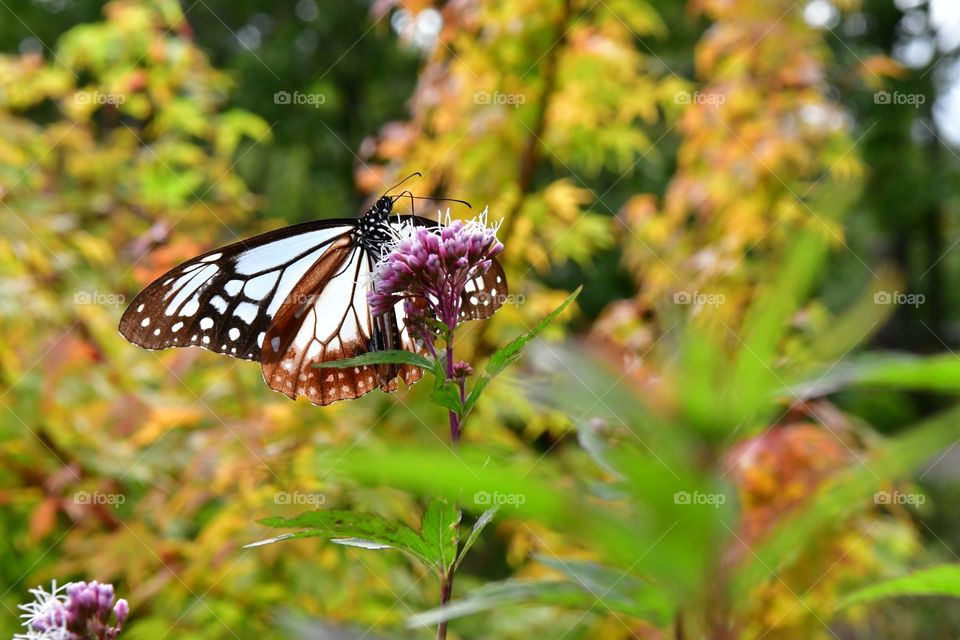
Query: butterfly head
382	208
374	230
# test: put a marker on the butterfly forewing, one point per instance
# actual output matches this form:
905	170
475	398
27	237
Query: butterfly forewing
326	318
225	300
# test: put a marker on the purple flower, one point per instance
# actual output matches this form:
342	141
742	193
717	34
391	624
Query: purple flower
121	610
75	611
462	370
428	269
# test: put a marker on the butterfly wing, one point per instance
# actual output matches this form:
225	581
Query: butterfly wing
325	318
225	299
484	294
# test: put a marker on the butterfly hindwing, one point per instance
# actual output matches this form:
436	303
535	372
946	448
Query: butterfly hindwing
325	318
225	299
484	294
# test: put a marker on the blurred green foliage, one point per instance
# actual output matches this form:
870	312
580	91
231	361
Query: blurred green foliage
718	174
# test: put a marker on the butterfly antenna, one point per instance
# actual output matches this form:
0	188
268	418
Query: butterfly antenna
413	197
450	200
406	192
415	173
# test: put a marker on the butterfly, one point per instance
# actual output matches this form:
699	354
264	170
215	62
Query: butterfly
293	298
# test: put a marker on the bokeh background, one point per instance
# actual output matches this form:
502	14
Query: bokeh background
667	155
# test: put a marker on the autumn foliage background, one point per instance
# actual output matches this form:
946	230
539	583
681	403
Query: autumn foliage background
689	163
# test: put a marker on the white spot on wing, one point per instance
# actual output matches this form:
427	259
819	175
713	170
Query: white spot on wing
246	312
218	303
191	307
234	333
233	287
206	323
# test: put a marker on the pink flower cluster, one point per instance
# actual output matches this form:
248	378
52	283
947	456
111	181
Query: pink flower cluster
428	269
82	613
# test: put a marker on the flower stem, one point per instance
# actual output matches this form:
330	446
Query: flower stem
454	418
446	592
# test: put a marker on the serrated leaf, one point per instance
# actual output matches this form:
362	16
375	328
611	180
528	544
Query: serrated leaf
510	353
485	518
942	580
379	357
343	526
441	532
361	543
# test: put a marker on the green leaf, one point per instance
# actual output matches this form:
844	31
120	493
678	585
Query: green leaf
752	378
616	596
441	532
595	446
379	357
683	537
511	352
446	393
365	530
941	580
885	370
590	575
485	518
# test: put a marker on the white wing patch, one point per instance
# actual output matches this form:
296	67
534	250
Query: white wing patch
332	323
257	288
267	256
339	315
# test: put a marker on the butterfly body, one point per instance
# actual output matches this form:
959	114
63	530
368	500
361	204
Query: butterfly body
289	299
